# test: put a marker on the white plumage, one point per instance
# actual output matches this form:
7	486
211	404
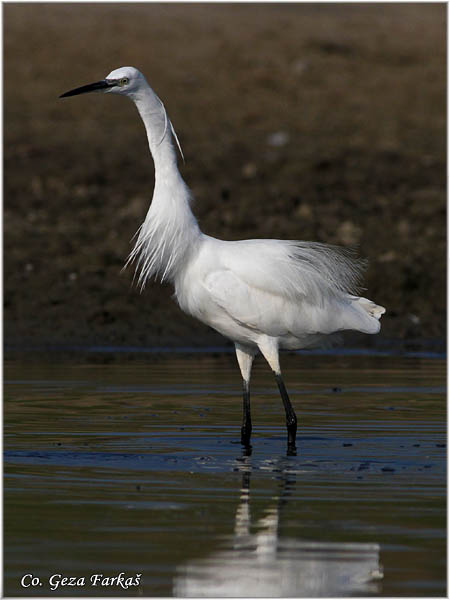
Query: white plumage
261	294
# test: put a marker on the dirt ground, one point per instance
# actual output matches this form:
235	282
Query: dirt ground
302	121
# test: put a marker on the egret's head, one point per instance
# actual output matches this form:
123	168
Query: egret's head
125	81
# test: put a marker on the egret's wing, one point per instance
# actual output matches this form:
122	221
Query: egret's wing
306	271
249	306
296	288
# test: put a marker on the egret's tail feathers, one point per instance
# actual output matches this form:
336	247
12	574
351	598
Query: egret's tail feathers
365	316
374	310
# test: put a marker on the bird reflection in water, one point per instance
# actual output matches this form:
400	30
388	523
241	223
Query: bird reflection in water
263	564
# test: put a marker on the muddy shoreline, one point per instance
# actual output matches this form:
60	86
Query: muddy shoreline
313	122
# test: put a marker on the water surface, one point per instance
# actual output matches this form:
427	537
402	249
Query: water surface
136	467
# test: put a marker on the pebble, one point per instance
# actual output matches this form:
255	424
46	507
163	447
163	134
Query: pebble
278	139
249	170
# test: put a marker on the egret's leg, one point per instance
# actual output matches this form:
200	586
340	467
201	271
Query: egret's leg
245	359
246	429
291	418
269	349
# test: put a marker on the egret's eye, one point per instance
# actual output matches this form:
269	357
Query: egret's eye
123	81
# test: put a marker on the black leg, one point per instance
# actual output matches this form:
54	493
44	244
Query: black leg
246	430
291	419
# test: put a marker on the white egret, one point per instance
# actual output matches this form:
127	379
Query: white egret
264	295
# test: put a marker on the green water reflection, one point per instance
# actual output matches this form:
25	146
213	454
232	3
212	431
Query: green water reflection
135	468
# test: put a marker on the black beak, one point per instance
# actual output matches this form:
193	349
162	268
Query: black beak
92	87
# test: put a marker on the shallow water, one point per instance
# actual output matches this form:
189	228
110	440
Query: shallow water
137	468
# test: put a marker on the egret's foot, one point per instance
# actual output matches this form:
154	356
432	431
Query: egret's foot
247	450
291	425
291	419
291	449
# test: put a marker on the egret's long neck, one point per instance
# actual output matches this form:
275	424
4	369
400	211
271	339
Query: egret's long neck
170	230
159	135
